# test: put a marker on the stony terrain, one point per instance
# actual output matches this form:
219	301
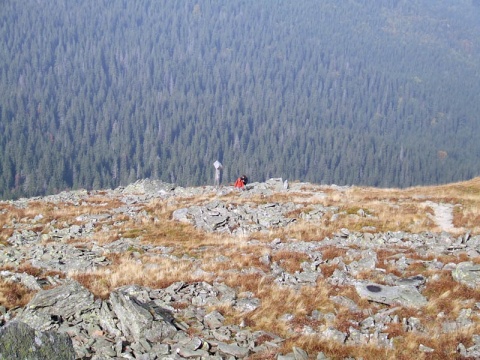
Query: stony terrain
287	271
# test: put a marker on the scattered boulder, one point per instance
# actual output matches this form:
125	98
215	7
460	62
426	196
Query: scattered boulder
49	308
20	341
404	295
467	273
149	187
138	320
219	216
29	281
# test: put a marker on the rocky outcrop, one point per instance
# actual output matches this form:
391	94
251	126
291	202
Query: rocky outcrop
149	187
237	219
185	320
50	308
140	320
249	217
136	321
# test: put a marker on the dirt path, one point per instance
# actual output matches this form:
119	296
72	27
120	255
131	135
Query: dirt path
443	215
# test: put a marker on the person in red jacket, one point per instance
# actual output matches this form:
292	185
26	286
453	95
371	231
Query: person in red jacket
241	182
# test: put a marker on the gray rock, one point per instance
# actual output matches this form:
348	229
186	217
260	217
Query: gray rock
214	320
161	349
290	356
49	307
64	257
149	187
20	341
141	323
416	281
339	277
222	334
449	327
308	277
467	273
463	321
265	259
29	281
404	295
412	324
462	350
188	353
246	305
107	320
367	263
333	334
380	339
233	350
425	349
357	337
139	320
346	302
104	348
237	219
299	354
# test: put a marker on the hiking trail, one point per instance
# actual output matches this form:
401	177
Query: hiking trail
443	215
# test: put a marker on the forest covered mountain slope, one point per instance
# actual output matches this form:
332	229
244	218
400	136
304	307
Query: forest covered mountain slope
97	94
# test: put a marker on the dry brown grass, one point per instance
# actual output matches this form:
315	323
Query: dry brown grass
277	301
405	209
237	258
5	234
336	351
56	211
385	210
14	295
406	346
445	295
126	270
467	216
290	261
444	345
27	268
328	269
332	252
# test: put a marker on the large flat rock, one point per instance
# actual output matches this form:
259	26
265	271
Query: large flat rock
405	295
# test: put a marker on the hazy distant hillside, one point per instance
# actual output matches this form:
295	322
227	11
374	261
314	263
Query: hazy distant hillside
96	94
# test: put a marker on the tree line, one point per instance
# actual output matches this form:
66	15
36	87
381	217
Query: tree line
97	94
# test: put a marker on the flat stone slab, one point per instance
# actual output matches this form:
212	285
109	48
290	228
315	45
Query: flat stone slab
50	307
404	295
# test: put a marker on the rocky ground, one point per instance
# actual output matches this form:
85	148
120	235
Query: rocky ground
391	277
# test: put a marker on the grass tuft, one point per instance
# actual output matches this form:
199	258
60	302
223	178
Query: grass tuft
14	295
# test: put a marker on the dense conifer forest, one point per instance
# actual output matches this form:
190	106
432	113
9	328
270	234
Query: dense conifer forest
99	93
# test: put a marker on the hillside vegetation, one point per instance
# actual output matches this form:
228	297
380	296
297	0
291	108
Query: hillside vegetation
97	94
163	251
